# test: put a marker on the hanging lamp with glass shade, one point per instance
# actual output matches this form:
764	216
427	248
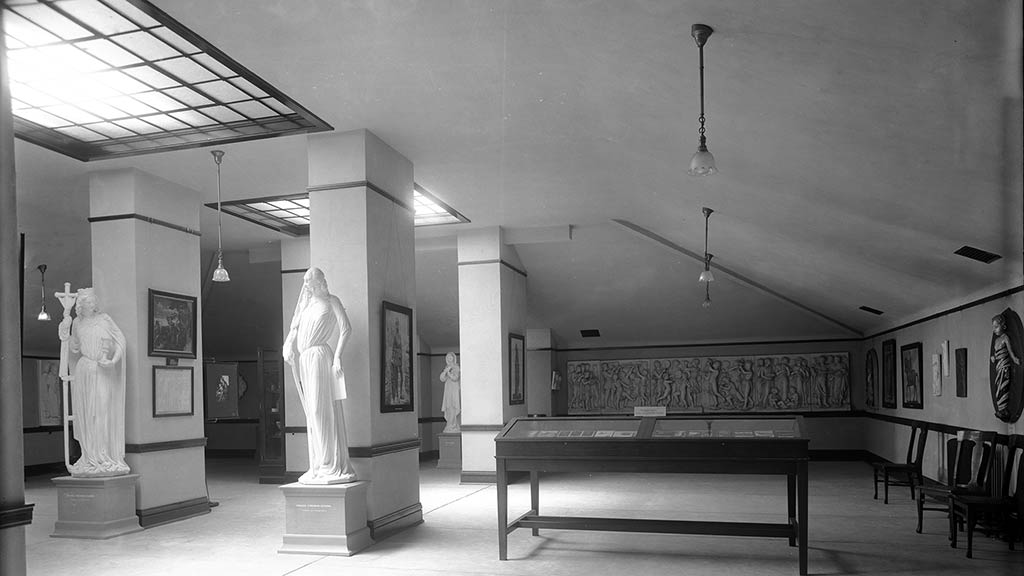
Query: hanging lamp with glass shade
221	273
43	316
703	162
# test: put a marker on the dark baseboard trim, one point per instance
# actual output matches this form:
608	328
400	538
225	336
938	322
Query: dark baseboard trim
162	446
382	449
19	515
158	515
431	420
40	429
482	427
386	524
478	478
295	430
932	426
233	420
231	453
430	455
291	476
841	456
47	469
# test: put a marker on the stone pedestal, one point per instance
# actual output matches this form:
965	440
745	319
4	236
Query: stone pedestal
95	508
451	450
325	520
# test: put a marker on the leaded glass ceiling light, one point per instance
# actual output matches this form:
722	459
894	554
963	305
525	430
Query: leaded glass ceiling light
96	79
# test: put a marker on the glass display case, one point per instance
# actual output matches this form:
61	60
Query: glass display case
771	445
271	447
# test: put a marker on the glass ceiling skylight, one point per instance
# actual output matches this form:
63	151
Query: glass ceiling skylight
105	78
431	211
290	214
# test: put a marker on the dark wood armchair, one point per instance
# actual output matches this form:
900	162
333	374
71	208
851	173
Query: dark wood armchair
909	472
1007	507
968	470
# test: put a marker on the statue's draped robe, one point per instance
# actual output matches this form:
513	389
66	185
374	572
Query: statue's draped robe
97	397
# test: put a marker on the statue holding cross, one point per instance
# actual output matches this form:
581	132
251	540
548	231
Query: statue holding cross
91	365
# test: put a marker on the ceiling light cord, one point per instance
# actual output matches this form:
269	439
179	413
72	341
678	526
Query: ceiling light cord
220	274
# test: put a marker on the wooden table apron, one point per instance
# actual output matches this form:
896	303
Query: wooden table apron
769	456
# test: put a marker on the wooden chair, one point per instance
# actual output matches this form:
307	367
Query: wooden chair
968	470
1007	507
908	473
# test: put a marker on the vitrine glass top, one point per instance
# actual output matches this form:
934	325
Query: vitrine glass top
667	427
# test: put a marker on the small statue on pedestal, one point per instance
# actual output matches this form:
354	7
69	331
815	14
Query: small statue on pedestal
451	405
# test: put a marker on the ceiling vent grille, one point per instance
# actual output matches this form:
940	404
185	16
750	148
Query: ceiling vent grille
872	310
977	254
590	333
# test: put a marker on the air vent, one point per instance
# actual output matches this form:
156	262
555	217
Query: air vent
590	333
977	254
872	310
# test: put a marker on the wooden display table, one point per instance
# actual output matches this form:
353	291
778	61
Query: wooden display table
671	444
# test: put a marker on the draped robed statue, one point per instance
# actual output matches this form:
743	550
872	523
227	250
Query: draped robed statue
95	362
313	348
451	404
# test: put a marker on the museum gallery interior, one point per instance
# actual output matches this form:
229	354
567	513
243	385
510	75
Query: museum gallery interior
395	287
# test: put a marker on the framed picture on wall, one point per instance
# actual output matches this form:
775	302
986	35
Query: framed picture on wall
396	358
889	374
911	364
172	325
222	385
870	378
516	369
173	393
961	372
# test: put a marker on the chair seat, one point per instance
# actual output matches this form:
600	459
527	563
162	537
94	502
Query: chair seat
982	501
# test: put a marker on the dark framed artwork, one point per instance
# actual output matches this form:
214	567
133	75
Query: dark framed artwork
870	378
172	325
961	372
173	392
220	380
911	363
516	369
889	374
396	358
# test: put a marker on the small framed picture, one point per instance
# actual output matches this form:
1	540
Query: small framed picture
911	363
172	325
961	372
396	358
173	392
516	369
889	374
870	378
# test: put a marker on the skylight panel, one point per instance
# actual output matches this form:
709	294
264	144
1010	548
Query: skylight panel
120	77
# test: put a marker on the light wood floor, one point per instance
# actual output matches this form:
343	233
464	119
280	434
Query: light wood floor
850	533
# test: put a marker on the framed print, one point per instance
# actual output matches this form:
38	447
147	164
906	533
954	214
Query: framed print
396	358
870	378
516	369
50	393
172	325
910	362
222	385
889	374
173	393
961	372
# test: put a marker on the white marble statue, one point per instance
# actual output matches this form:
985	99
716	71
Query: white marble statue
313	348
451	404
95	363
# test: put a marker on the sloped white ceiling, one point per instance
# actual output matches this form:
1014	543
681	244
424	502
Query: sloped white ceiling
860	143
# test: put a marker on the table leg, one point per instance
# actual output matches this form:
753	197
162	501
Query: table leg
535	496
791	503
502	510
802	514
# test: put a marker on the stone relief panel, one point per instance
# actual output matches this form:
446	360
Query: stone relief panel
775	383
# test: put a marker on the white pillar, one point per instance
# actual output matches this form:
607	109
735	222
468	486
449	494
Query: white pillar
492	305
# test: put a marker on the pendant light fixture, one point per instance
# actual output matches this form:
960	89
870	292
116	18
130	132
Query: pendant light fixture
220	274
43	316
702	163
706	275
